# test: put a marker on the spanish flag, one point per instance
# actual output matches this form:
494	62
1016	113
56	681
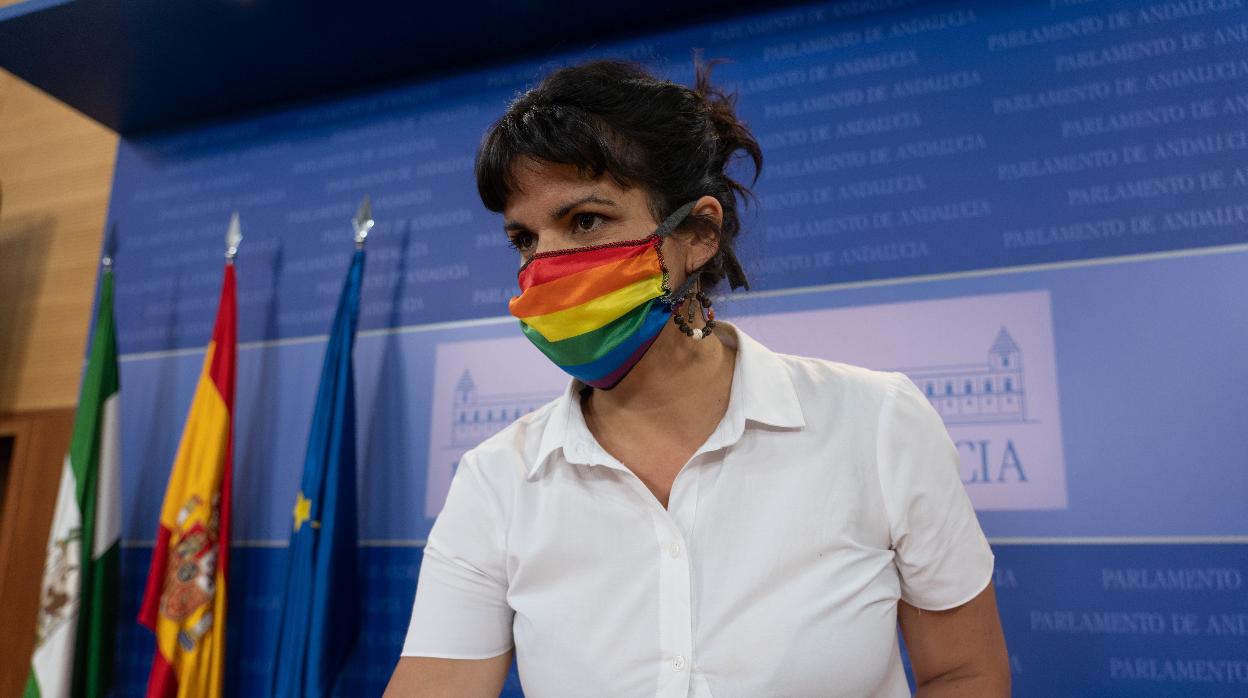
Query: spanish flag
185	599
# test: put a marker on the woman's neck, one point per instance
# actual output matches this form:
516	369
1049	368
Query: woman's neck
680	384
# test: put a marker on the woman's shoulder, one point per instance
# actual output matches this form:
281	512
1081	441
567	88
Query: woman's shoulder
819	378
513	449
814	379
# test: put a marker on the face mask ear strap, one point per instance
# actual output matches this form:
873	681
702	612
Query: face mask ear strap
678	216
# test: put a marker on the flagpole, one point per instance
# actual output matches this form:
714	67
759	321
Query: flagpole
363	221
233	237
110	247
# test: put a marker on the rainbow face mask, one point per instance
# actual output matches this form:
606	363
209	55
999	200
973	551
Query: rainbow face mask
595	311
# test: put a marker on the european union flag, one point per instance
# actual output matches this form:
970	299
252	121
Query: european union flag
318	625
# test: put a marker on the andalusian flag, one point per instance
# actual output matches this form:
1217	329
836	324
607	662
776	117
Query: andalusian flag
78	606
321	605
185	599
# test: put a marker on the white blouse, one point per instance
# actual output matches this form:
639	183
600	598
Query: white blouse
827	492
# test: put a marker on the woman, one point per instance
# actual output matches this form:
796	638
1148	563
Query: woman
696	515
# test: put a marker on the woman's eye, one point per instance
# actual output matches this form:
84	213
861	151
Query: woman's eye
587	222
521	241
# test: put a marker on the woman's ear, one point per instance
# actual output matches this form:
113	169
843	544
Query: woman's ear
705	242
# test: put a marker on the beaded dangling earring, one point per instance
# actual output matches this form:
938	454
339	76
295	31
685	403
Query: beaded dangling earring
704	304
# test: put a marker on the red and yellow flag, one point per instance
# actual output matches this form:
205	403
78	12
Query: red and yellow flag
185	599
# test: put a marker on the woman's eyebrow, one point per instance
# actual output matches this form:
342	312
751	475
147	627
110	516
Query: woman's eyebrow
562	211
590	199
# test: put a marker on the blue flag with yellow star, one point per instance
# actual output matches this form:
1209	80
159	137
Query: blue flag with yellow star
318	625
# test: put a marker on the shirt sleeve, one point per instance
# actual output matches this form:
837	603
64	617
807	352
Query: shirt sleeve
461	609
942	556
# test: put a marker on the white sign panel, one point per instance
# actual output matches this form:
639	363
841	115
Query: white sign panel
986	363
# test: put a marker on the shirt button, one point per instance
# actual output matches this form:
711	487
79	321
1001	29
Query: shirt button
678	663
674	550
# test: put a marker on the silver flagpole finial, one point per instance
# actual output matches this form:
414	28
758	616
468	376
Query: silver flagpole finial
233	236
363	221
110	246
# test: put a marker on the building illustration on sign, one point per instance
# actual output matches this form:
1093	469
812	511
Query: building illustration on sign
977	393
478	417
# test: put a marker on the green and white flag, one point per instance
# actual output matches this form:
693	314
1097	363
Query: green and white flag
78	604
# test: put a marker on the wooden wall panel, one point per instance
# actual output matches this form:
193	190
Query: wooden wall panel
41	440
56	169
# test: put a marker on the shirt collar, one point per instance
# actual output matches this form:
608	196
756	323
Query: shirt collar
561	426
762	392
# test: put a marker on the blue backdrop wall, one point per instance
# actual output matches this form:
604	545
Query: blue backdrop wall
1037	210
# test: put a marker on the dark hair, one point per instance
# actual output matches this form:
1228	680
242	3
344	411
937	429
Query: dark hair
614	117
